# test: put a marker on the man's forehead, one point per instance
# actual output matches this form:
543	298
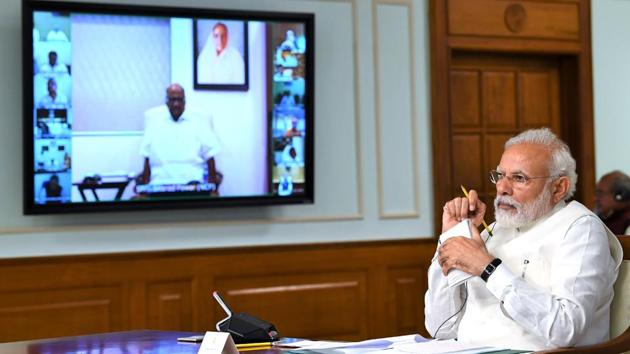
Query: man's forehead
174	91
525	158
219	30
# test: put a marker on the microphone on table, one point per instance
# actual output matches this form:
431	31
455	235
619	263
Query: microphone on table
244	328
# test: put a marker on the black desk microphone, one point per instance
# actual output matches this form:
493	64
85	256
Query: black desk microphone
244	328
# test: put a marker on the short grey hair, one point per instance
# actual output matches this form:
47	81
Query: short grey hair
561	164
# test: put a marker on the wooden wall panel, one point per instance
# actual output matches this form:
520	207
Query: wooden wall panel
60	312
169	305
406	308
535	107
333	291
325	305
520	19
467	169
539	99
499	99
465	98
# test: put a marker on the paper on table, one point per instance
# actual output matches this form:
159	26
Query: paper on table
372	344
315	344
442	347
456	276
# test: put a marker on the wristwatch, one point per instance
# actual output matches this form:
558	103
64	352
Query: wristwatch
490	269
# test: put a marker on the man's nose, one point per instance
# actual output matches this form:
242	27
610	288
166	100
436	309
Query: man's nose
504	187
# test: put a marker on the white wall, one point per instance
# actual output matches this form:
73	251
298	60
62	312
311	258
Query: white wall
611	89
237	116
108	126
373	161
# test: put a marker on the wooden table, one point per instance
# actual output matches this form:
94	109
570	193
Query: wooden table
131	342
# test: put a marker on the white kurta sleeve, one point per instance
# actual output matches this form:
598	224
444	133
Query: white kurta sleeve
208	142
442	305
582	276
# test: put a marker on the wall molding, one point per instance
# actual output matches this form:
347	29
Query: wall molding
413	213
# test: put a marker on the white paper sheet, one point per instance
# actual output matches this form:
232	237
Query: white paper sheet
456	276
442	347
363	346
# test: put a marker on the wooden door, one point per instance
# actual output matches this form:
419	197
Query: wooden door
499	67
492	98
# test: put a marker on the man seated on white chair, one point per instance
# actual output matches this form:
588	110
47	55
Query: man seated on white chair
178	145
545	277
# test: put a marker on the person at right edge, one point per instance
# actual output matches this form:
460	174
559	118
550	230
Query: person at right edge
612	201
545	278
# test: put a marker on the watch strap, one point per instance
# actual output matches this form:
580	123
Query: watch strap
490	268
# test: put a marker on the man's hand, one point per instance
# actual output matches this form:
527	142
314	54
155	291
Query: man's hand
216	178
145	176
467	254
459	209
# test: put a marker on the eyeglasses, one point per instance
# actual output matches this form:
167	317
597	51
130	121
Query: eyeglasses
518	179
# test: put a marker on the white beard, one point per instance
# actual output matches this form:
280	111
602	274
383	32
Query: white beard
525	213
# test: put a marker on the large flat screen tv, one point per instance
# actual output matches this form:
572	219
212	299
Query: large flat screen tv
137	107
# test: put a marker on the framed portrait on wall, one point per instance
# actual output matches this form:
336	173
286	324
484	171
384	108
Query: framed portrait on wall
220	55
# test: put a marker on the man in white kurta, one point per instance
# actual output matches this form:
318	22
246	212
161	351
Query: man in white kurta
54	99
218	62
53	67
56	35
545	278
178	146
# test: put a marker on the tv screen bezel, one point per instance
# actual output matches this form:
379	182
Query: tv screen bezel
30	207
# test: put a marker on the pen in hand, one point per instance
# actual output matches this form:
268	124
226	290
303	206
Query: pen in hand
482	221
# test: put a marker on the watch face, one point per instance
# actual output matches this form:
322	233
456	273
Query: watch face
490	269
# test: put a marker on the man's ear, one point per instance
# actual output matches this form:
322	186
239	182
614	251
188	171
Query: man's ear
560	189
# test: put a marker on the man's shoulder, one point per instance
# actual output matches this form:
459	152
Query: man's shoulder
156	117
233	53
60	68
566	211
156	112
197	117
577	215
578	207
61	98
207	53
